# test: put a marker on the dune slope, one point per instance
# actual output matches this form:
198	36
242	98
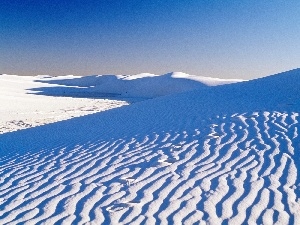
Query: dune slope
29	101
227	154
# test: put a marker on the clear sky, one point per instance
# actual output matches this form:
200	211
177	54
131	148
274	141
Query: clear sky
218	38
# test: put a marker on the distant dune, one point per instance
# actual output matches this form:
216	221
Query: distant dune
185	150
29	101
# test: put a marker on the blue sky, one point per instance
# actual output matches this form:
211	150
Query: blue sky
218	38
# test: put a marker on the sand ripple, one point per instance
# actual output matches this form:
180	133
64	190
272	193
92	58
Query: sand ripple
232	169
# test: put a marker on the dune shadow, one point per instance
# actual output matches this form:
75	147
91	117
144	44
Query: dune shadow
115	87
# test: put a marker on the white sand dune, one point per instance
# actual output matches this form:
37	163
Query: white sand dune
21	110
63	97
216	155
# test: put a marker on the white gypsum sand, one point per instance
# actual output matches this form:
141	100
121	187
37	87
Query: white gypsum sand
214	155
70	96
20	109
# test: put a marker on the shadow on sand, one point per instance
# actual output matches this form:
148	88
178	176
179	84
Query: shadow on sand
117	87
